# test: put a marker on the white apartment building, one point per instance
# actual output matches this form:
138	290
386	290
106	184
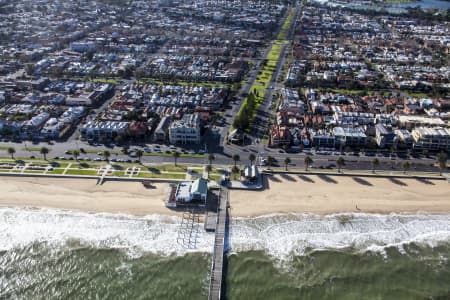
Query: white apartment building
434	139
186	130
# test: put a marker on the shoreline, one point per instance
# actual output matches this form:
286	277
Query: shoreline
286	193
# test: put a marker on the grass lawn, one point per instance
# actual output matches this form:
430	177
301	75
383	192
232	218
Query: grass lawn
56	171
120	174
168	168
418	95
87	172
287	24
264	77
104	80
143	174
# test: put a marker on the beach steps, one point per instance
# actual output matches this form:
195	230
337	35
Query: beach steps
215	283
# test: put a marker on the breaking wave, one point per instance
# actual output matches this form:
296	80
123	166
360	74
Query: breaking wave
284	236
281	236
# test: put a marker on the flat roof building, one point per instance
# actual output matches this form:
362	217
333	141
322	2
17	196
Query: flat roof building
186	130
190	191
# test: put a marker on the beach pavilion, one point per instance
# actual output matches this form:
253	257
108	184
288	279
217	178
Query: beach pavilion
192	191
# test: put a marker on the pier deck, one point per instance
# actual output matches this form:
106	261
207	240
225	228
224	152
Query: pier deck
210	221
215	284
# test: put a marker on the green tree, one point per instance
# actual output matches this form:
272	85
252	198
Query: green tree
139	154
211	157
375	163
308	162
442	161
406	165
340	163
236	158
287	161
208	169
235	170
252	158
175	155
75	154
106	155
11	151
44	151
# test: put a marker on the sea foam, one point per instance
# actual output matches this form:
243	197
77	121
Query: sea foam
136	235
281	236
290	235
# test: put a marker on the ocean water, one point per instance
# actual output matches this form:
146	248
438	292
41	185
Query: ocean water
55	254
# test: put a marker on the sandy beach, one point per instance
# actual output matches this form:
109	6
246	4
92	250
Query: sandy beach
286	193
84	194
330	194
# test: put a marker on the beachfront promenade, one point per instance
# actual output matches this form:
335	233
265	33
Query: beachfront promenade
215	283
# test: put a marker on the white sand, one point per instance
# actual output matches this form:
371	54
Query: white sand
84	194
331	194
286	193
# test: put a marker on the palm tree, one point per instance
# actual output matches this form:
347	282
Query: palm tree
406	165
44	151
106	155
287	161
208	169
340	162
211	157
270	161
235	170
236	158
442	161
139	154
75	154
11	151
375	163
175	155
308	162
251	158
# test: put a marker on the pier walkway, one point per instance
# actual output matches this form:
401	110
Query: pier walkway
215	283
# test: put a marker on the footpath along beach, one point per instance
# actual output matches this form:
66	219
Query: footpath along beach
322	194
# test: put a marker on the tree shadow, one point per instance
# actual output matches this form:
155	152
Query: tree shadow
273	178
154	170
288	177
397	181
306	178
425	181
327	178
265	180
362	181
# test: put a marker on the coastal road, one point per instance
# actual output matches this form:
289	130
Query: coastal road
27	150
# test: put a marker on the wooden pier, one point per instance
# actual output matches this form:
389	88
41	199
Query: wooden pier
215	283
